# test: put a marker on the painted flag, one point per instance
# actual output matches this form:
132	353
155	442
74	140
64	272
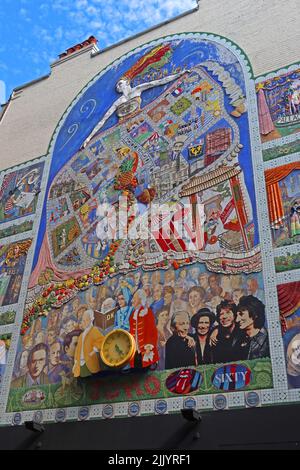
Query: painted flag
227	211
156	58
177	92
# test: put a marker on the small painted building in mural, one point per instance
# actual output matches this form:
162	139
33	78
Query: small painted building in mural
147	237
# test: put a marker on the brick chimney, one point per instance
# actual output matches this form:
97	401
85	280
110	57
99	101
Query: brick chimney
77	47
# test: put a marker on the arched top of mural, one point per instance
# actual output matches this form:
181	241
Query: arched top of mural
178	102
226	51
175	95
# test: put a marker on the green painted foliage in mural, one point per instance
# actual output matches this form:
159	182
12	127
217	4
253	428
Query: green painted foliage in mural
281	151
127	387
7	318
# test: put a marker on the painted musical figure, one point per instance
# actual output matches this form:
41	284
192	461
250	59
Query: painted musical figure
295	218
86	358
143	329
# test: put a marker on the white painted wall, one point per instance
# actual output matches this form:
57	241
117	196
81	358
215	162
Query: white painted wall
267	30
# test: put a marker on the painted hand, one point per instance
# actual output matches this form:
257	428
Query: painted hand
213	341
85	143
148	348
149	354
191	342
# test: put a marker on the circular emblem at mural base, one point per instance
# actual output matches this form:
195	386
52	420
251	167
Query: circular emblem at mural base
220	402
60	415
83	413
252	399
231	377
133	409
184	381
161	407
17	419
38	417
189	403
108	411
33	397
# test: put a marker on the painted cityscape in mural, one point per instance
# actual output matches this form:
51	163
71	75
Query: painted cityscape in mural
167	126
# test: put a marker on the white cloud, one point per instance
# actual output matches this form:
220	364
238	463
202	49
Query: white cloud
44	11
96	24
58	34
117	19
24	14
61	5
3	66
81	4
43	34
92	11
2	92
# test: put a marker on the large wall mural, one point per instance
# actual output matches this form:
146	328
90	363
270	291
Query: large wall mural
150	226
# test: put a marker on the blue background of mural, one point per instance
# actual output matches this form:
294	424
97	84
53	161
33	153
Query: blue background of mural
186	54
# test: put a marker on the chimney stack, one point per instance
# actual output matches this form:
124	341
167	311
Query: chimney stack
77	47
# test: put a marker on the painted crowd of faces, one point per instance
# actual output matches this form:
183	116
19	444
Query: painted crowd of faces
46	352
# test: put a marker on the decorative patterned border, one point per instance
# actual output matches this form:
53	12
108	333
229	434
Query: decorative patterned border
19	307
280	393
288	276
283	140
282	151
291	158
280	71
282	250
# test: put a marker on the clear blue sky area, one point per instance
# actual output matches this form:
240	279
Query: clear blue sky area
33	32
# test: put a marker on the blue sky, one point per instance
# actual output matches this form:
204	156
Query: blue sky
34	32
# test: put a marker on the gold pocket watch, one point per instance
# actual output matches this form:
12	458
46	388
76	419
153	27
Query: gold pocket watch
118	348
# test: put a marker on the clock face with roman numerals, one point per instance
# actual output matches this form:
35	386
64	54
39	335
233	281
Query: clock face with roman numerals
117	349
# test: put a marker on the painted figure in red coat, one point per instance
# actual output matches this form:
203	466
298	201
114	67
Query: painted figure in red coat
144	331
